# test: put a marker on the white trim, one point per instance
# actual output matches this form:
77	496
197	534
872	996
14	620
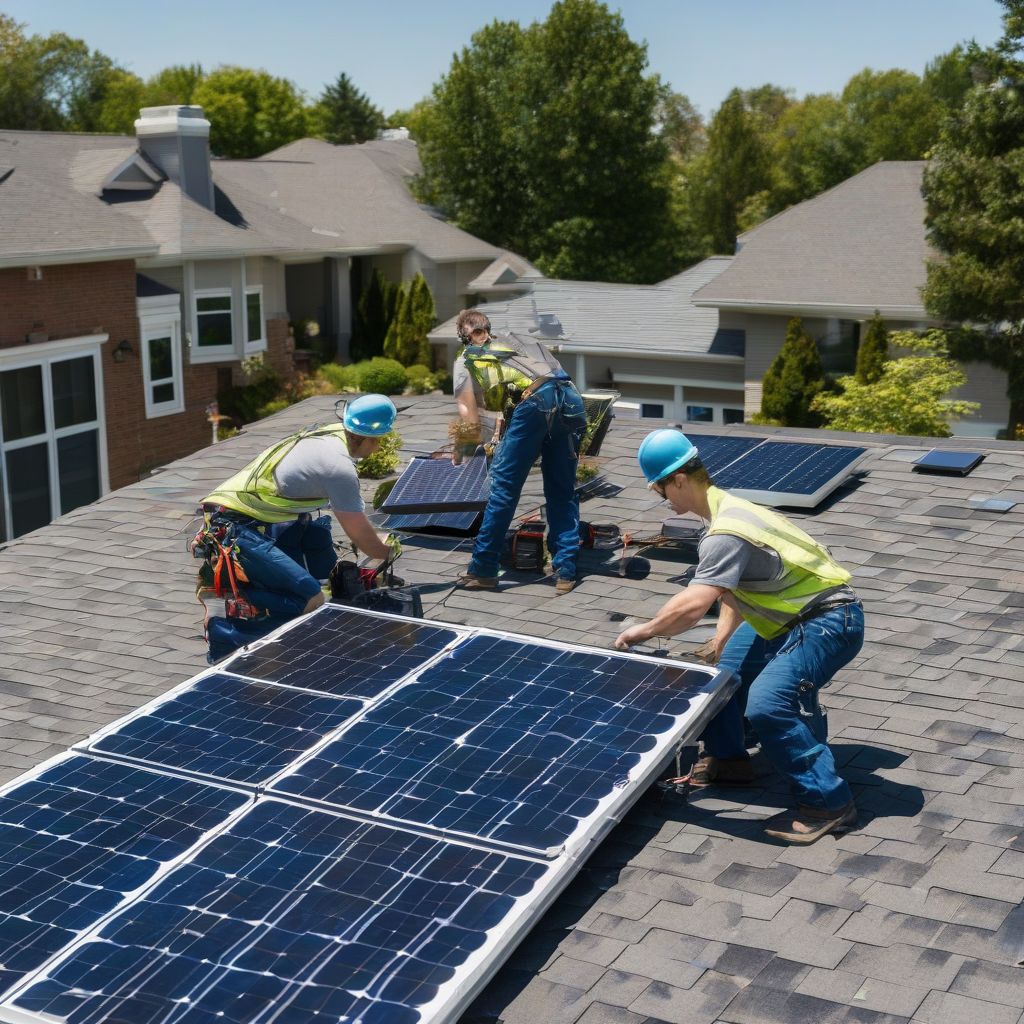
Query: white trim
679	357
55	257
151	328
819	309
212	353
49	348
158	305
686	382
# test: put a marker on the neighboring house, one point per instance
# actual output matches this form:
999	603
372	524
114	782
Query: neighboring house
834	260
669	358
136	274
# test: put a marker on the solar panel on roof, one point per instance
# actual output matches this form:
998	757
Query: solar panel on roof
343	652
486	737
436	485
223	727
463	524
954	463
716	452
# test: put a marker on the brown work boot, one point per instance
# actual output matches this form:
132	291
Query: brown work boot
718	771
470	581
806	825
564	586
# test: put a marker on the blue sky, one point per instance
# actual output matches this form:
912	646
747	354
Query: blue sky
395	50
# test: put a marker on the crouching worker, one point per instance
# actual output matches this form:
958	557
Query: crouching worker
788	622
265	552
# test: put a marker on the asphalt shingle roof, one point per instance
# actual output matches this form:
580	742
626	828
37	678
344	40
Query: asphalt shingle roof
860	245
685	914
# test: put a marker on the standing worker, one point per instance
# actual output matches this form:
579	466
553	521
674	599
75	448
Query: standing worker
518	379
258	528
788	622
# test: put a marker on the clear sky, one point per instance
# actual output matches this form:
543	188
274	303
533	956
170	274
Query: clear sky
396	49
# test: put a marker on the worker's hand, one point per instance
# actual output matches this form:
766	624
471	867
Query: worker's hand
709	652
394	546
630	637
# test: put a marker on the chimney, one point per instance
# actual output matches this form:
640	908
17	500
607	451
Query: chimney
177	140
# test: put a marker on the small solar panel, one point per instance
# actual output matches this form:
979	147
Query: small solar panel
223	727
953	463
342	652
487	737
460	524
436	485
77	839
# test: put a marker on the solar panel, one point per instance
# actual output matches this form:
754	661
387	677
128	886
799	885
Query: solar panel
487	737
223	727
954	463
463	524
294	915
436	485
343	652
716	452
81	836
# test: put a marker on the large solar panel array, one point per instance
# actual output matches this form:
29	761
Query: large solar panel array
776	472
437	485
355	820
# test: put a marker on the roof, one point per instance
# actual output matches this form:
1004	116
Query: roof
858	247
630	319
685	914
508	272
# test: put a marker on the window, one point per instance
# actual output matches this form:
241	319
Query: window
700	414
52	454
214	326
161	367
732	416
652	411
838	349
255	337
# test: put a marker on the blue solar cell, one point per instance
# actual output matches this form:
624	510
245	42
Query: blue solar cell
817	470
229	728
341	652
957	463
446	522
502	740
716	451
435	485
80	837
771	462
294	916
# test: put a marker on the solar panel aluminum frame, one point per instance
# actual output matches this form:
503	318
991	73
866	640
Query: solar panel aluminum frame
391	504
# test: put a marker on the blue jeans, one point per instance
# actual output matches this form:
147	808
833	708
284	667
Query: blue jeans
779	684
550	423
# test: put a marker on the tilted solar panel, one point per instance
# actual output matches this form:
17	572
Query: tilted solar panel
436	485
298	916
485	738
343	652
716	451
80	837
223	727
454	523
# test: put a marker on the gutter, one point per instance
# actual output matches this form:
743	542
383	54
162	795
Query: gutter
55	258
853	312
697	357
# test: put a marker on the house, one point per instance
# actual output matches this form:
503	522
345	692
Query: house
834	260
684	913
669	358
137	274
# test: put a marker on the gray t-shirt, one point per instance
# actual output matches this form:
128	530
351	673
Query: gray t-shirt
320	467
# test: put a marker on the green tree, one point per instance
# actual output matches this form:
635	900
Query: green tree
949	77
793	381
124	96
374	313
910	397
679	124
424	316
250	112
176	84
543	140
398	329
406	340
345	115
873	353
974	191
889	116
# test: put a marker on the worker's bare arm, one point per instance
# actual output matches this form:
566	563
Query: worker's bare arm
678	614
360	531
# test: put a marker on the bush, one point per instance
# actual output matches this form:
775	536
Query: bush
340	378
443	382
243	403
421	380
384	460
381	376
794	379
381	494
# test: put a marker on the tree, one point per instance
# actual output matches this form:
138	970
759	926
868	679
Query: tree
374	313
396	338
794	379
344	115
974	193
424	316
910	397
679	124
124	95
406	339
176	84
543	140
889	116
873	352
250	112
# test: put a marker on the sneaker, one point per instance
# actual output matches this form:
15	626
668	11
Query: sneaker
470	581
718	771
806	825
564	586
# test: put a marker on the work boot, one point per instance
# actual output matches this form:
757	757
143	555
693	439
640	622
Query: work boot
806	825
719	771
470	581
563	586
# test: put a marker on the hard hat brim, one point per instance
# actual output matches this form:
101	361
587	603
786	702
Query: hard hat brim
675	466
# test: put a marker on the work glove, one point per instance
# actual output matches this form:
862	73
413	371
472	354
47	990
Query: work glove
395	545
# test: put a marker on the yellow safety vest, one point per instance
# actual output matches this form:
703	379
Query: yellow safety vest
253	490
808	569
493	376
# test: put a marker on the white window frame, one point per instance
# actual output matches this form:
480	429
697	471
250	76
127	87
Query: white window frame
150	329
260	344
45	355
213	353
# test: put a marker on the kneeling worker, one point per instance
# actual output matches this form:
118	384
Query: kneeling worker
788	622
258	527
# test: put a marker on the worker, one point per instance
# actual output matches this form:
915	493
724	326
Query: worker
539	412
788	622
260	532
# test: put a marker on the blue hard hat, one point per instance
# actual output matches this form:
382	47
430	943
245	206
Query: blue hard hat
663	452
370	415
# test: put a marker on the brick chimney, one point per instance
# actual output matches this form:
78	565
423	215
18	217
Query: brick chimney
177	140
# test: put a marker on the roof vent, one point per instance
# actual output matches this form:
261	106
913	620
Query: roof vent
950	463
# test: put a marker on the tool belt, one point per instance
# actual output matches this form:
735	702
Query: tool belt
819	609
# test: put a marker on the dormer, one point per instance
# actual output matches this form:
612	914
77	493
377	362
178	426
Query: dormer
136	174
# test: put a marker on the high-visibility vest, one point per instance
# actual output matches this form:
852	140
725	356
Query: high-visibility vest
253	490
508	360
809	571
